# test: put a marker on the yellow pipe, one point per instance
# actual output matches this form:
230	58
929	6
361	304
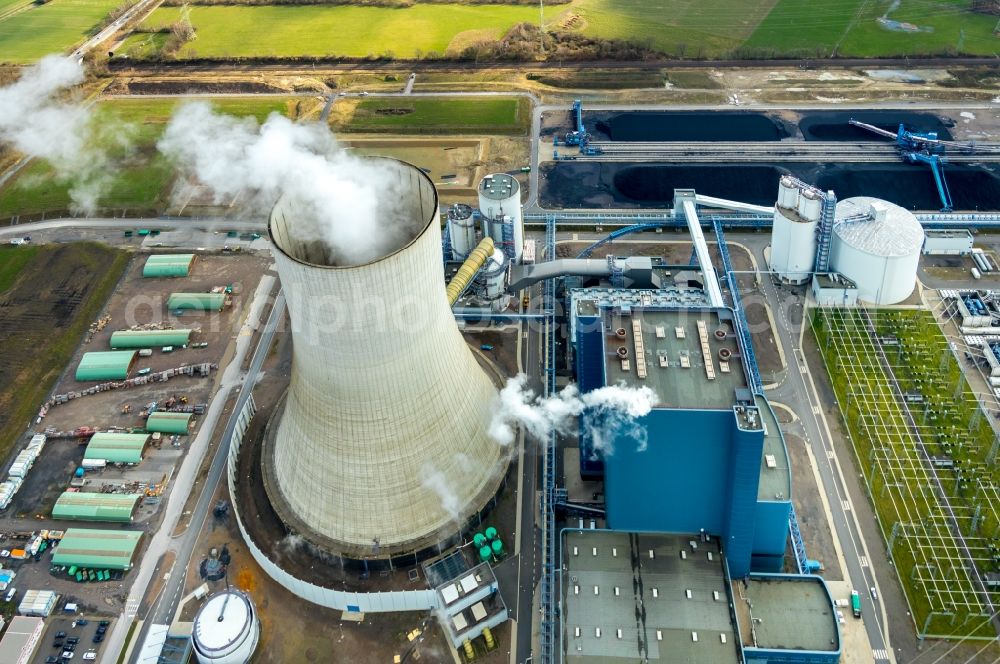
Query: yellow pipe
476	260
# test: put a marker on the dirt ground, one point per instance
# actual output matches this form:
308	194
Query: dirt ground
139	301
808	506
678	252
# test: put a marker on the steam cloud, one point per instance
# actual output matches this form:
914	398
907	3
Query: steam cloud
348	202
610	412
37	120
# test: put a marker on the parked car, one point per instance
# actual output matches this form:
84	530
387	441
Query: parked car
10	594
60	635
90	654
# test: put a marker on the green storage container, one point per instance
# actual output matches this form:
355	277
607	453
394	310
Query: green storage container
479	540
491	533
485	553
497	548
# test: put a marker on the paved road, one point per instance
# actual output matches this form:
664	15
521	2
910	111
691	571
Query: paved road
183	485
529	565
798	383
137	10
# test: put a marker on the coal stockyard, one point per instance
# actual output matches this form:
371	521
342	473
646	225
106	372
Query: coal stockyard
628	185
637	159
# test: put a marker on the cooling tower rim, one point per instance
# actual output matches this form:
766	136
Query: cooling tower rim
282	200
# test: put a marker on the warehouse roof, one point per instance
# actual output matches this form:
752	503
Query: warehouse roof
658	587
148	338
673	363
207	301
167	265
95	506
105	365
168	422
106	549
117	447
789	613
21	639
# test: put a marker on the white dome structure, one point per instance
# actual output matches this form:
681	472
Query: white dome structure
793	233
382	447
226	629
876	244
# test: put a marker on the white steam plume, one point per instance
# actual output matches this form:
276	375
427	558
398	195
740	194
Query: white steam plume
611	411
348	202
36	120
438	482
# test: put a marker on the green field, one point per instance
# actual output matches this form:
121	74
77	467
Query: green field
50	295
50	28
141	182
695	28
342	30
851	29
142	44
457	115
895	433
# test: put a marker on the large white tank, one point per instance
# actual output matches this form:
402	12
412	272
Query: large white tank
495	274
793	232
500	197
462	230
382	447
876	244
225	629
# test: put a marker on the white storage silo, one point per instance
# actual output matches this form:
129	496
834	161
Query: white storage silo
226	629
382	447
495	274
462	230
793	233
876	244
500	205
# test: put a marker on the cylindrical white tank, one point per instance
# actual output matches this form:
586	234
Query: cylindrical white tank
495	275
226	629
793	237
500	196
462	230
383	446
810	205
788	193
876	244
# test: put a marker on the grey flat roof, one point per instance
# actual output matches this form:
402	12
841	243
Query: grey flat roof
791	613
664	634
676	386
775	482
834	280
947	232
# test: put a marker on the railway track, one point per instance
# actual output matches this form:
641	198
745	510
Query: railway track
782	151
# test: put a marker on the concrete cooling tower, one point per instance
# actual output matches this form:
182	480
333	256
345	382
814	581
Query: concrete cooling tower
382	446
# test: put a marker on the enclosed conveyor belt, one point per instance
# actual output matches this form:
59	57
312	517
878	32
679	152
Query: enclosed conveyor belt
475	262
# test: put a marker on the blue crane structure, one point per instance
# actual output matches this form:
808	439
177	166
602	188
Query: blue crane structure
579	136
918	148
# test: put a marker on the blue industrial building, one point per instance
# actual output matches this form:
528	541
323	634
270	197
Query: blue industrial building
714	460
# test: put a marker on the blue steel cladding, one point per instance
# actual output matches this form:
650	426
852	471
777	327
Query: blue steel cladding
590	376
679	484
744	478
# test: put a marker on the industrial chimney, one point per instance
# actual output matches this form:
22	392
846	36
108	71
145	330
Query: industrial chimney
381	447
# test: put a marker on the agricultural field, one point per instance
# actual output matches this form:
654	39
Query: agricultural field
49	295
54	27
141	181
927	453
353	31
853	29
684	28
438	115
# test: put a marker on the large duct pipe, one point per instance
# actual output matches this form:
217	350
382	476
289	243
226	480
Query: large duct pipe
474	263
382	447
